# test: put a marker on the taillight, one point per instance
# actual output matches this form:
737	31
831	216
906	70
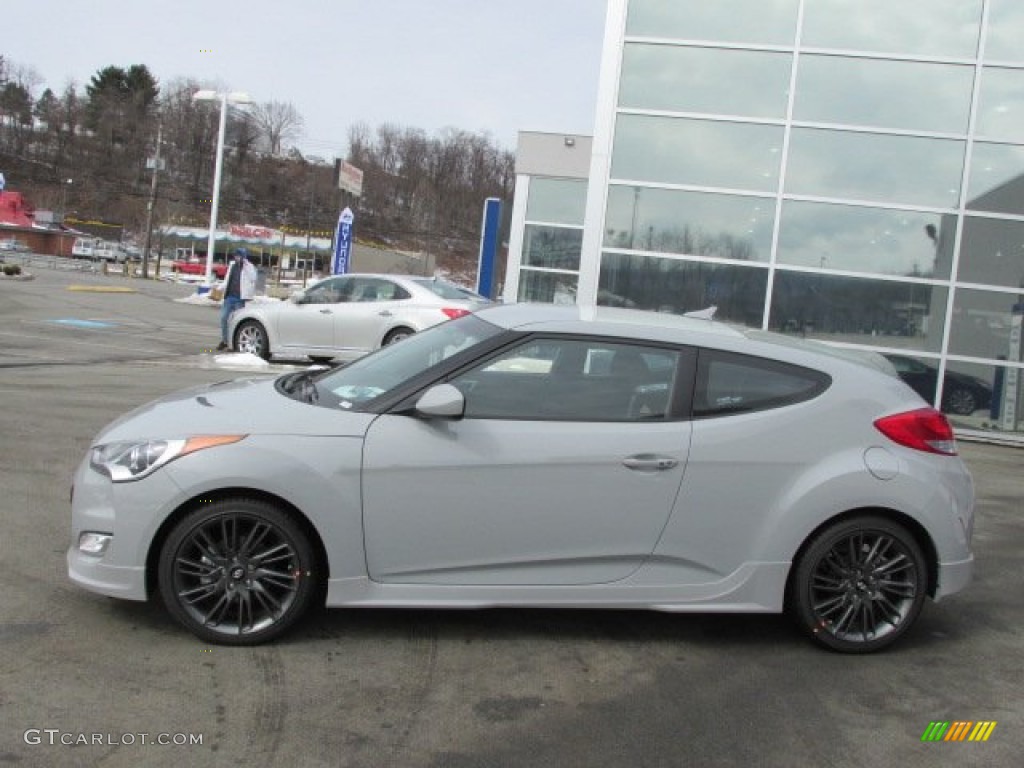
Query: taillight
452	312
924	430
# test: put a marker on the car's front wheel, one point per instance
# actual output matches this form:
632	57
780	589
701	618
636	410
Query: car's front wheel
859	584
237	572
251	336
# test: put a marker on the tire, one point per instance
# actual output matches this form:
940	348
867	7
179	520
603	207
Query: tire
237	572
397	334
960	401
251	336
859	585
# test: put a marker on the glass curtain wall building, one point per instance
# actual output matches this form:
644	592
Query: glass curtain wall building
846	170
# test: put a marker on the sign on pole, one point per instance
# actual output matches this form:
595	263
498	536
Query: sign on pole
348	177
343	243
489	227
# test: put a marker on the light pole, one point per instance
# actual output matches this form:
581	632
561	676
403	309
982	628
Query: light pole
224	98
65	185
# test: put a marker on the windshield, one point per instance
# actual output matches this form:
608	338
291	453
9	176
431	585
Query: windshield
380	372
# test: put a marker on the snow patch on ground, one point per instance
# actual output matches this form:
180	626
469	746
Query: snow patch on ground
240	360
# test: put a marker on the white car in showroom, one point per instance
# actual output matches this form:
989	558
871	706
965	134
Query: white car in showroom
541	456
345	316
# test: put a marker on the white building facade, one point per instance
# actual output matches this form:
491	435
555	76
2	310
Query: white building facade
846	170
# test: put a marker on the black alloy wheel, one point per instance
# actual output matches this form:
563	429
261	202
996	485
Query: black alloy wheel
237	572
960	401
859	585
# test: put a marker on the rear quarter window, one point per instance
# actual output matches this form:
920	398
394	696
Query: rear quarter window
729	383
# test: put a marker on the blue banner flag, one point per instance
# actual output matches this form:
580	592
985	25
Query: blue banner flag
340	261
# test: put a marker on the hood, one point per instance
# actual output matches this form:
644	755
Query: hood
240	406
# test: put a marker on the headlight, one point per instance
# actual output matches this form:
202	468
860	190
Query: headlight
134	460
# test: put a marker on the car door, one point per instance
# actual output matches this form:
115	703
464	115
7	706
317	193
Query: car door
308	323
367	316
560	472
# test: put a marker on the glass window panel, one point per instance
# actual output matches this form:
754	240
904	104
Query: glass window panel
982	325
863	166
906	95
734	21
926	27
1001	104
557	201
966	390
689	223
671	285
716	81
859	310
866	239
992	252
554	247
547	287
1005	22
997	179
698	152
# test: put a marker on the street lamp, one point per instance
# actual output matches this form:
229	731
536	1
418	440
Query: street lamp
224	98
64	198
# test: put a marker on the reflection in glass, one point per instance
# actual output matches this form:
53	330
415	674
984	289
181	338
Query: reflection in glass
734	21
862	166
858	310
966	389
1005	22
547	287
672	285
697	152
997	179
982	321
874	240
948	28
557	201
689	223
906	95
992	252
711	80
1001	104
554	247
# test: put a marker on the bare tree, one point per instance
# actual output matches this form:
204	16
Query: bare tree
277	122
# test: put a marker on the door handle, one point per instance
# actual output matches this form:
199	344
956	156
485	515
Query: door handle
649	463
385	313
325	311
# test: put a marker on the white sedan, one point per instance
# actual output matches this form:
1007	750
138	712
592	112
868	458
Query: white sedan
346	316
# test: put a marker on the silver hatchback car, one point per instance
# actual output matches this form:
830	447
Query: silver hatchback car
538	456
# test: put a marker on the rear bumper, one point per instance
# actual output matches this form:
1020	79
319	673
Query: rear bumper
954	577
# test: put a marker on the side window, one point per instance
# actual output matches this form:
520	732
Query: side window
327	292
572	380
732	383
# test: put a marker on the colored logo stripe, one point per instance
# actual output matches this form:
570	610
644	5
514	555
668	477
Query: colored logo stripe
958	730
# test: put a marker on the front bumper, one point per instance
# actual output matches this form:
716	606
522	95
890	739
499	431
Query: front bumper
131	515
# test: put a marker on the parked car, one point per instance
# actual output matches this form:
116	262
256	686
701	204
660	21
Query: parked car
961	394
346	316
195	266
13	245
543	456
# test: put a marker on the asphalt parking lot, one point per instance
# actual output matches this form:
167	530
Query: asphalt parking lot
89	681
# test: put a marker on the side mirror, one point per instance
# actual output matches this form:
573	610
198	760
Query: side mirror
299	297
441	402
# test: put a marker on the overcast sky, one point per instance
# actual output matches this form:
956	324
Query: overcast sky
486	66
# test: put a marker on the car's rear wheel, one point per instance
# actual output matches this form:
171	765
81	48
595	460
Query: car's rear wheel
859	585
397	334
237	572
251	336
960	401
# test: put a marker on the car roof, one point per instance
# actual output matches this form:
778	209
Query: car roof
679	329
